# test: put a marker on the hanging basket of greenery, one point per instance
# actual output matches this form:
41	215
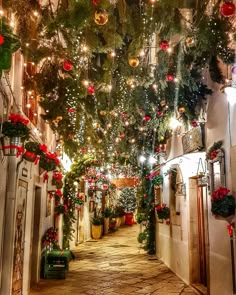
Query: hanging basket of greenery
163	211
33	151
223	204
156	178
49	161
14	131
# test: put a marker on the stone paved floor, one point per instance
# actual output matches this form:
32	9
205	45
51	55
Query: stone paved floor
115	265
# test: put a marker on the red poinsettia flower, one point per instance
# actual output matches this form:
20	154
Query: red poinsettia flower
43	148
16	118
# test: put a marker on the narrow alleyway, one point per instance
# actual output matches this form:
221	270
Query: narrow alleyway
115	265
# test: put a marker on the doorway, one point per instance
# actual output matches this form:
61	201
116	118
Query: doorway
201	193
35	241
198	235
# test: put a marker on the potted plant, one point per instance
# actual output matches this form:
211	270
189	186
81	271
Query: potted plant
97	226
120	213
163	212
33	151
14	131
50	238
223	204
78	201
49	161
106	214
156	178
127	200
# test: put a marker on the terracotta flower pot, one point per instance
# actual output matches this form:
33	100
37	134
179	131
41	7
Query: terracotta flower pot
106	225
129	218
96	231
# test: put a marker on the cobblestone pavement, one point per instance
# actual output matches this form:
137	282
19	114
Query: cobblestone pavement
115	265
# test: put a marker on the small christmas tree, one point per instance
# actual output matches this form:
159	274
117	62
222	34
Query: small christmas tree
127	199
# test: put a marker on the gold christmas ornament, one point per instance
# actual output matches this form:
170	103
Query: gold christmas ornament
189	41
133	62
101	17
181	110
57	120
163	103
103	113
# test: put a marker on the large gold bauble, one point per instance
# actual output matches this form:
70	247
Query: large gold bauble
133	62
181	110
101	17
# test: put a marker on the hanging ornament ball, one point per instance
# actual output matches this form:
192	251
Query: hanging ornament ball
233	70
1	39
189	41
227	9
169	77
122	135
147	118
181	110
163	103
164	45
90	90
157	149
101	17
71	110
67	65
194	124
159	113
96	2
103	113
133	62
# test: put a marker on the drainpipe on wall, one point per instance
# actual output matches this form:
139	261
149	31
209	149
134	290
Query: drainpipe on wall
9	228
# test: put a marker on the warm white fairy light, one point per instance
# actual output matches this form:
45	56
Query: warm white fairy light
35	13
1	12
169	50
85	82
28	105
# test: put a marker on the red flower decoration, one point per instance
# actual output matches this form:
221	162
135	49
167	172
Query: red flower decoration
2	40
220	193
43	148
15	118
71	110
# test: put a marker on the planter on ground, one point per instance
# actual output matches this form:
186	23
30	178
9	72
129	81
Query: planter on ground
129	218
96	231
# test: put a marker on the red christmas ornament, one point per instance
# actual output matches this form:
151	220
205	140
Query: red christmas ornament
122	135
227	9
70	136
67	65
157	150
146	118
83	150
169	77
124	115
91	90
159	113
2	40
71	110
194	124
164	45
96	2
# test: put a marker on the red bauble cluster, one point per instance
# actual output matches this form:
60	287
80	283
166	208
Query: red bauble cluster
67	65
90	90
164	45
2	40
227	9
